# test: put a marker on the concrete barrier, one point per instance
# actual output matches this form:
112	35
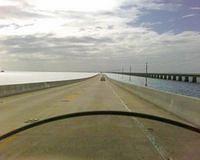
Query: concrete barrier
8	90
185	107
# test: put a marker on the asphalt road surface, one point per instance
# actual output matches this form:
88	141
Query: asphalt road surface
95	137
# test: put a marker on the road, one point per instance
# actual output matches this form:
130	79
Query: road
100	137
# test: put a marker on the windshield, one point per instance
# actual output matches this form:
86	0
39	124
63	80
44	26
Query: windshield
134	63
102	135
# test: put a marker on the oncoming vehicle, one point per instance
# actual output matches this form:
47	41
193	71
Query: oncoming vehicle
103	78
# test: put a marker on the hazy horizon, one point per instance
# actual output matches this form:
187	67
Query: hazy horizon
94	36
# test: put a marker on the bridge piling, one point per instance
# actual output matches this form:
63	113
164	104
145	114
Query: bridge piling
194	79
179	78
186	79
165	76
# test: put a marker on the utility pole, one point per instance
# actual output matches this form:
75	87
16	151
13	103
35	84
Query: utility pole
122	71
118	73
146	68
130	73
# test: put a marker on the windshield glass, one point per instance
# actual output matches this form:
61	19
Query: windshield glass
102	137
136	59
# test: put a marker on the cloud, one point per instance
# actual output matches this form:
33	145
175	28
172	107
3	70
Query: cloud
15	12
195	8
188	15
15	26
102	40
46	45
151	5
129	46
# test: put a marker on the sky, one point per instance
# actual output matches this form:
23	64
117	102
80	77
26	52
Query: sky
100	35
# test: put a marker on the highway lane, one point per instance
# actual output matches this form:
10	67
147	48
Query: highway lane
87	95
100	137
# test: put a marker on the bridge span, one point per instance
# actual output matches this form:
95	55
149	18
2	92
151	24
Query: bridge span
193	78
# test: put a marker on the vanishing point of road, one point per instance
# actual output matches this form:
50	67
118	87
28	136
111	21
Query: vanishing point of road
96	137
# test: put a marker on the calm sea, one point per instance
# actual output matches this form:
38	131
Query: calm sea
183	88
7	78
188	89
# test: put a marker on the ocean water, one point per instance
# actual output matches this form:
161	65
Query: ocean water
182	88
188	89
7	78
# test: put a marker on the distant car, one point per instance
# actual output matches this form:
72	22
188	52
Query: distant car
103	78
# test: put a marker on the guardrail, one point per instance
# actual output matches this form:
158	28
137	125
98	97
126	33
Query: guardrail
8	90
182	106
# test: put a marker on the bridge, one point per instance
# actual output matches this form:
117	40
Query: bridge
194	78
101	136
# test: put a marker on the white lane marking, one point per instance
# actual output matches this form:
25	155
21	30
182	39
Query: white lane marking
160	149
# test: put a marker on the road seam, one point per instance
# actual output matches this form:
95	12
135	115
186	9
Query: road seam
160	149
